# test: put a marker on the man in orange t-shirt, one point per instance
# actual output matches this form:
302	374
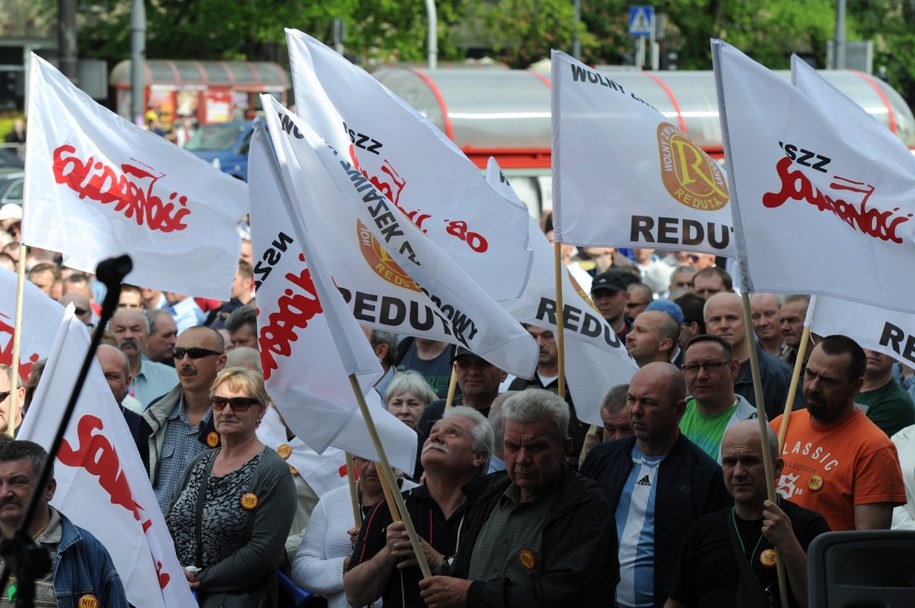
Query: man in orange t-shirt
837	462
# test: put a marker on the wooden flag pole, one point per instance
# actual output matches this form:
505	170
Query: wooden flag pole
560	320
792	390
351	481
763	434
452	387
17	344
387	475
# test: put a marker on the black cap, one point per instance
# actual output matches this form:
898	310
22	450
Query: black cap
613	280
462	351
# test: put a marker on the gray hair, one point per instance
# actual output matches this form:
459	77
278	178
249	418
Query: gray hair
385	337
615	399
244	356
481	431
410	382
497	419
533	404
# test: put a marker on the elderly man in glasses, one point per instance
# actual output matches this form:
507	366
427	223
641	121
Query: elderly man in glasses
178	426
712	407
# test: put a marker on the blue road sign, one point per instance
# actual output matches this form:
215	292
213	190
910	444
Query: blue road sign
641	21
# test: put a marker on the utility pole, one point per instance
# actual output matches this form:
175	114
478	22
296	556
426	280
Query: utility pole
838	47
66	39
137	61
432	16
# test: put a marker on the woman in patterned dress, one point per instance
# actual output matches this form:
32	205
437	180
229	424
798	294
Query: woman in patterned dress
234	505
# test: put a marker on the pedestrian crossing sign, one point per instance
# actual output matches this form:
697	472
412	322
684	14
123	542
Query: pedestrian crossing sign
641	21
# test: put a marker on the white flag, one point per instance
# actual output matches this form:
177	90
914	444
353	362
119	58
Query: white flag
309	340
476	320
421	171
98	186
887	331
596	359
625	175
102	484
322	472
819	209
40	321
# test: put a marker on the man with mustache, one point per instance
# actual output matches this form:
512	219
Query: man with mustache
383	565
179	425
82	573
150	379
837	462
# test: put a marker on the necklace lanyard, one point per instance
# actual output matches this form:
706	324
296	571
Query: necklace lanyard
740	538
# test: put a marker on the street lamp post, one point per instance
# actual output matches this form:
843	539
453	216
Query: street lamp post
432	16
137	60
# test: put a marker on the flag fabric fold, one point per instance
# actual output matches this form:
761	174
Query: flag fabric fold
596	359
421	171
626	175
40	322
102	484
98	186
814	200
890	332
474	319
309	340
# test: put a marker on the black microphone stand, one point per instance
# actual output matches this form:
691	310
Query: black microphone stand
20	553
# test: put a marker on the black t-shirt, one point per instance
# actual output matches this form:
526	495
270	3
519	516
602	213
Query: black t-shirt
707	574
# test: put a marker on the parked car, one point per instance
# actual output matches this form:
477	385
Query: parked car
11	188
10	161
224	145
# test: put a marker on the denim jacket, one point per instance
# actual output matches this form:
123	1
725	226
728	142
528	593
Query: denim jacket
83	567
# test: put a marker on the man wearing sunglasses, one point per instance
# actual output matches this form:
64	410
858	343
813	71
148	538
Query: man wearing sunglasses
179	425
710	369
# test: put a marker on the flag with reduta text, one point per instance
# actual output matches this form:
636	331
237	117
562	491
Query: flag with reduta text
596	359
309	340
98	186
102	484
818	208
40	319
476	320
626	175
421	172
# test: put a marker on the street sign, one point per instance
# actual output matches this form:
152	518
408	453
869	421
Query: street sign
641	21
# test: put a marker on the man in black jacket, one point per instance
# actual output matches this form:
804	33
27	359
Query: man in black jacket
543	535
657	483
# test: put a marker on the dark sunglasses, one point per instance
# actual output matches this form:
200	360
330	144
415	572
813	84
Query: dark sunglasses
193	353
239	404
4	395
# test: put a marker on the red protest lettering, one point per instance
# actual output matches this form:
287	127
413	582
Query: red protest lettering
296	307
164	577
6	353
98	456
474	240
872	222
99	182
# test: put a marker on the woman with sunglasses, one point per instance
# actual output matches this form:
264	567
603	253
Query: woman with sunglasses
234	505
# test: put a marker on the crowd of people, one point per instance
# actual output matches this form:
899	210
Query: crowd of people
516	501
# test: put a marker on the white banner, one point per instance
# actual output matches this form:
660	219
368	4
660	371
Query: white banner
102	484
887	331
40	320
476	320
98	186
421	171
627	176
819	209
596	359
308	339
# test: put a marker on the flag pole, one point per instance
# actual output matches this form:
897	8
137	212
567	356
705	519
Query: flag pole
560	320
351	482
387	474
452	388
763	435
796	374
17	343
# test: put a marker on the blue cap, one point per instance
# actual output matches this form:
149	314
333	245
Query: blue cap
669	307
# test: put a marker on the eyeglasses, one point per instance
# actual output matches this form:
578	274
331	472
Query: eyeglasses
709	366
193	353
239	404
80	311
4	395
